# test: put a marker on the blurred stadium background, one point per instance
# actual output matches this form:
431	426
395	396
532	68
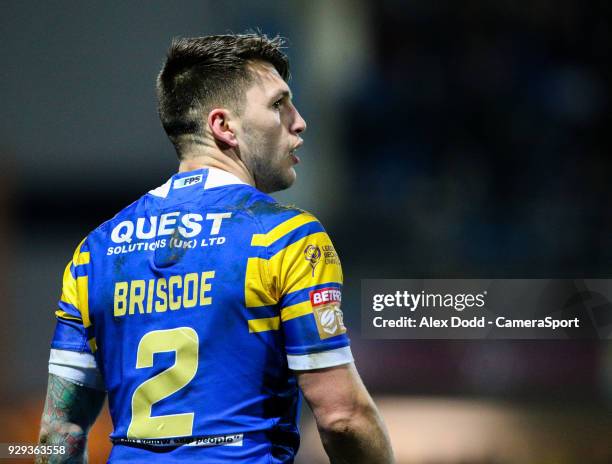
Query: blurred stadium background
446	139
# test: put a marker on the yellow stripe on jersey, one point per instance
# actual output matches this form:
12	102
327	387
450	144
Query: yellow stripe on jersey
282	229
264	324
82	258
93	346
75	291
256	287
83	294
296	310
77	251
64	315
69	288
291	271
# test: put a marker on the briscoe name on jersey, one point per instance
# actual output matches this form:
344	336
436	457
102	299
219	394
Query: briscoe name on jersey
191	307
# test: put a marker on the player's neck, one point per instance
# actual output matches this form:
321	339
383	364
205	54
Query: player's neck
228	162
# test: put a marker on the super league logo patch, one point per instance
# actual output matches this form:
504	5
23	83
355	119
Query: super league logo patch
312	254
326	308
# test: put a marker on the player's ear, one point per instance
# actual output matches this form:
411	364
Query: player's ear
218	121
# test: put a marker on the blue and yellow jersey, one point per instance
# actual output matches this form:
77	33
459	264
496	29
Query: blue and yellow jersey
192	307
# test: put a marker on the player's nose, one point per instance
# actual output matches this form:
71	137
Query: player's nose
299	124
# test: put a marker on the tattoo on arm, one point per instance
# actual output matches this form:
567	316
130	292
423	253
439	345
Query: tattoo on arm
70	410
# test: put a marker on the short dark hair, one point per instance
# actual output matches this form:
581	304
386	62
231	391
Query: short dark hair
203	72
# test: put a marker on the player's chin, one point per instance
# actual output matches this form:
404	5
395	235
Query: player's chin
281	180
292	174
288	178
287	170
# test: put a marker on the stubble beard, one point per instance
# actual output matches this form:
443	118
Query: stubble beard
269	178
266	170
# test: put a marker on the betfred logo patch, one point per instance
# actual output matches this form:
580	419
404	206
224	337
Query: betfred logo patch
325	295
326	309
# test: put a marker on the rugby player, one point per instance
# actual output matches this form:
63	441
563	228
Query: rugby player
205	306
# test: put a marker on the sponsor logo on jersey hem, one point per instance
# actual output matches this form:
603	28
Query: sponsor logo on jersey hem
218	440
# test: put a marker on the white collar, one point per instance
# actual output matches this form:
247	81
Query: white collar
215	178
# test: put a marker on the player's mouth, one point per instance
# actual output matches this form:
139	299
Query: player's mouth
295	158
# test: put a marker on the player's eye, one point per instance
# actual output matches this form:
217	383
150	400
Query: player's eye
277	104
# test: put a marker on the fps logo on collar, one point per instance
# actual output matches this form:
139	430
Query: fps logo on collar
187	181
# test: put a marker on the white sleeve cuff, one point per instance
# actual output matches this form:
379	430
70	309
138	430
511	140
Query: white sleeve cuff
305	362
80	368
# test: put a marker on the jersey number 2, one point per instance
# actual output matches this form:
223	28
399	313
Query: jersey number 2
184	342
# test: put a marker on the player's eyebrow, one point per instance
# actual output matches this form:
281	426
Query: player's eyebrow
283	94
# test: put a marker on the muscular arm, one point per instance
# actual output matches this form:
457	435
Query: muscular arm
70	410
351	428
